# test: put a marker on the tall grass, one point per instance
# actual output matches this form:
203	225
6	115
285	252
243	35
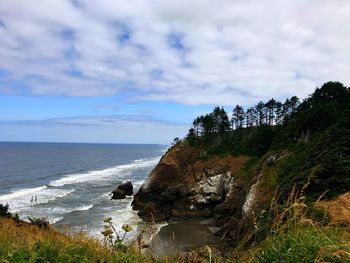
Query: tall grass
305	244
24	242
296	236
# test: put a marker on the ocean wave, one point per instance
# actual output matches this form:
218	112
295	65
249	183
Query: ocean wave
58	210
25	198
21	193
120	170
84	208
53	214
55	219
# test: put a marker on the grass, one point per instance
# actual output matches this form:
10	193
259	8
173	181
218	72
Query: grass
292	237
28	243
306	243
297	234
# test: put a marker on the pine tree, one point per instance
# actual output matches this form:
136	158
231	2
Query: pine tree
259	108
270	105
238	116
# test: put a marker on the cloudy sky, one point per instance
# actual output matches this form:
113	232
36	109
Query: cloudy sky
140	71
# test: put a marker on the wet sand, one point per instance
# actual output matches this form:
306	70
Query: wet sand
183	236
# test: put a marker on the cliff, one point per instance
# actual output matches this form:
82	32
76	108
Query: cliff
185	185
229	189
241	177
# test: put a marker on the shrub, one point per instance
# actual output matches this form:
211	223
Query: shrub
41	222
4	211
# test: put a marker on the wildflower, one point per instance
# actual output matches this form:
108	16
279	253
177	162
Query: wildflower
127	228
108	220
107	232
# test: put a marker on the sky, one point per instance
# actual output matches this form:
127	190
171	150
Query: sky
139	71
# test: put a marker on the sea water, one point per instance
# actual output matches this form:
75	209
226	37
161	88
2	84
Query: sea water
70	183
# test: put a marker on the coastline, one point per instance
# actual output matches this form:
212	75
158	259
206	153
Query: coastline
182	236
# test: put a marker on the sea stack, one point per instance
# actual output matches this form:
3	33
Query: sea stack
123	190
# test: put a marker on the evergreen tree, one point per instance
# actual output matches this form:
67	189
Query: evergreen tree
191	137
294	103
270	105
259	108
208	124
238	116
250	117
279	113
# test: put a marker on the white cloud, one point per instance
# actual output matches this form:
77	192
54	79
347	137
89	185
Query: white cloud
234	51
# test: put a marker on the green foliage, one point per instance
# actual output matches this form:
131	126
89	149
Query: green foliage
295	232
4	211
112	237
191	137
22	243
315	135
306	243
315	132
323	163
252	141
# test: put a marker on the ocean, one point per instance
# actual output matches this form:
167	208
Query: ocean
69	183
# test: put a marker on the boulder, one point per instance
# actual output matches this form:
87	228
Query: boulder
123	190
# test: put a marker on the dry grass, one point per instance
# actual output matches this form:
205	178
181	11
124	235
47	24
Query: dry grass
338	209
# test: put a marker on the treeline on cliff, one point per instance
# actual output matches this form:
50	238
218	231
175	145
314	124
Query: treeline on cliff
249	131
316	131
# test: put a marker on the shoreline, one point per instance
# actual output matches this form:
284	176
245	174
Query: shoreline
185	235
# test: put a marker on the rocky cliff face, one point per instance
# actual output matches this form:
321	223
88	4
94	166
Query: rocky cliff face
185	185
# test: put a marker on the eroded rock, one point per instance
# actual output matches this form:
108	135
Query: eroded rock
123	190
183	185
212	189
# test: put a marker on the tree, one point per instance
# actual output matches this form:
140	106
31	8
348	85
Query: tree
208	124
279	113
294	103
238	116
196	125
259	108
250	117
286	109
191	137
224	125
270	105
327	104
176	141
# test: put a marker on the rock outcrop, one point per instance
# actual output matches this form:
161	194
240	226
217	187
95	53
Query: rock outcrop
185	184
123	190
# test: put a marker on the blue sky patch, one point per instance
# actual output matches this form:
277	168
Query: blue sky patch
175	40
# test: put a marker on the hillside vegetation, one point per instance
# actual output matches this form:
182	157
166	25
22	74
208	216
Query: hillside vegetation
299	154
315	132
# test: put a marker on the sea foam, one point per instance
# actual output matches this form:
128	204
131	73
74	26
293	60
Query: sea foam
25	198
21	193
122	170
